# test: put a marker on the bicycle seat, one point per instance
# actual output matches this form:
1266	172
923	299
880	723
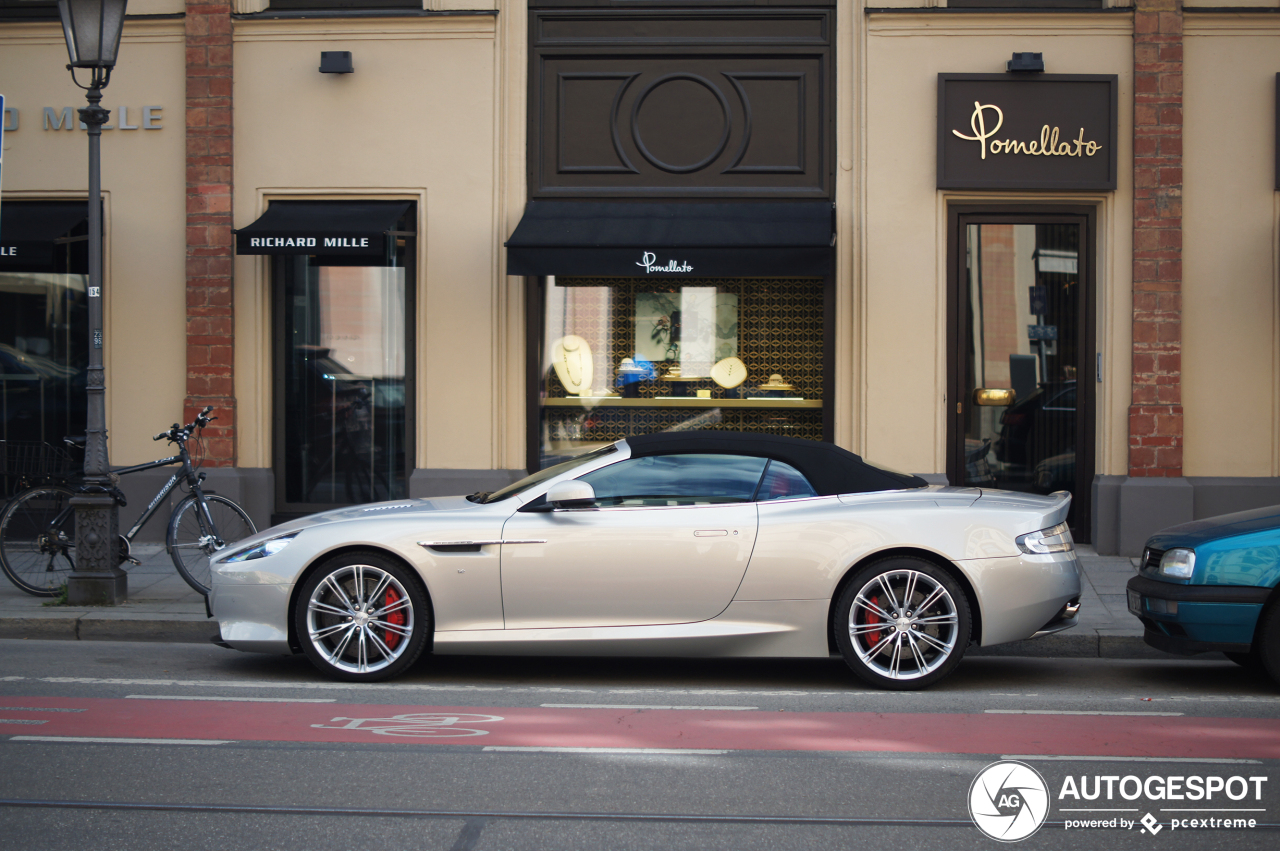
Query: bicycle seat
77	440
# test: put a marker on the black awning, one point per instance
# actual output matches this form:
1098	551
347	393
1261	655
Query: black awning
322	227
30	230
618	239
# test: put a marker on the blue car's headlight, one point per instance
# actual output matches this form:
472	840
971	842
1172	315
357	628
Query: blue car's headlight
267	548
1178	563
1055	539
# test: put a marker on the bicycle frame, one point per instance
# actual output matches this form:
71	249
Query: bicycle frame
185	473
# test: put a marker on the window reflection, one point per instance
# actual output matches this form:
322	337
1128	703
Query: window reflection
1023	315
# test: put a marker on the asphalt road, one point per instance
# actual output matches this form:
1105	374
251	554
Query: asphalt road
158	746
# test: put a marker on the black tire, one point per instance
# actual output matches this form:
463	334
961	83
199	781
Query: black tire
191	542
914	649
37	556
362	617
1266	642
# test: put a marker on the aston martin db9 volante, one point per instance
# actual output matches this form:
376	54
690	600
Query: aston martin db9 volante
672	544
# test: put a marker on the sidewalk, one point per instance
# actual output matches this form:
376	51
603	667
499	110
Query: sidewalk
162	607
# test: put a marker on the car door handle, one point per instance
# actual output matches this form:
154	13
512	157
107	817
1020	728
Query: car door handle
710	533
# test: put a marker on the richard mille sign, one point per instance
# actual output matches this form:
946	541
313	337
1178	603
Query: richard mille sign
1047	131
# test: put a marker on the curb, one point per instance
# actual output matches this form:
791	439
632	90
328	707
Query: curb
110	626
1080	646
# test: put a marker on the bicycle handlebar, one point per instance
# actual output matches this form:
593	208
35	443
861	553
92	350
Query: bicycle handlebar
178	432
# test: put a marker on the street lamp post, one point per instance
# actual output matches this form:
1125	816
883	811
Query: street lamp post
92	29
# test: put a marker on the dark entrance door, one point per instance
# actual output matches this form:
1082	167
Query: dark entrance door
1022	362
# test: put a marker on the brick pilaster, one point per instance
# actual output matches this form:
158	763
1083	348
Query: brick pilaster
210	319
1155	415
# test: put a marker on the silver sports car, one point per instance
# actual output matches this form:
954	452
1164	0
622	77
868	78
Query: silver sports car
673	544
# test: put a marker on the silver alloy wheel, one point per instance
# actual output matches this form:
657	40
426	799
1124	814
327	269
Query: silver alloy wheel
903	624
360	619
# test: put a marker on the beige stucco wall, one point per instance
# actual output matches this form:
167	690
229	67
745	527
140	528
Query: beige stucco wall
900	284
142	176
1230	232
416	120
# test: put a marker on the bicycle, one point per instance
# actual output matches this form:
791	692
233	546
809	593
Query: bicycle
37	527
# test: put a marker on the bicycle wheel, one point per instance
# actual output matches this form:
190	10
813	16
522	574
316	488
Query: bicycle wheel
191	541
37	539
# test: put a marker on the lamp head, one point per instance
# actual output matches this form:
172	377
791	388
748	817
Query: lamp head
92	29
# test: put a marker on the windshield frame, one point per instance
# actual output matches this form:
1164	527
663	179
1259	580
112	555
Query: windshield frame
555	471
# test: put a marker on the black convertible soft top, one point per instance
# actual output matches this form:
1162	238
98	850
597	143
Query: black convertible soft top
830	469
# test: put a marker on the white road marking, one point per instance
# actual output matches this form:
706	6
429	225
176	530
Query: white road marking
637	706
672	751
102	740
36	709
1205	759
20	721
1072	712
232	699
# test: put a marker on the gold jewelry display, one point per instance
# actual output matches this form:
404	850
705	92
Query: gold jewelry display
571	359
729	372
775	382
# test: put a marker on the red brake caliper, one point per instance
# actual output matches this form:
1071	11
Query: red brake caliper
872	618
397	617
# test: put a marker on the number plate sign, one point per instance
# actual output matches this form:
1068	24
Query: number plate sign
1135	602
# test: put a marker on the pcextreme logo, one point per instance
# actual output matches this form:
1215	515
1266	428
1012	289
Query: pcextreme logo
1008	800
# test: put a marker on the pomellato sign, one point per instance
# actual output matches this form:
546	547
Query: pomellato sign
1047	131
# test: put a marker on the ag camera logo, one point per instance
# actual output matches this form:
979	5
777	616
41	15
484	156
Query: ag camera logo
1008	801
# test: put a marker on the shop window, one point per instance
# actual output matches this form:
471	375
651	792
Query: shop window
344	375
44	328
29	9
277	5
1024	4
627	356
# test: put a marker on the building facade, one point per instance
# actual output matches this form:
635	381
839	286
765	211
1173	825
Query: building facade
409	249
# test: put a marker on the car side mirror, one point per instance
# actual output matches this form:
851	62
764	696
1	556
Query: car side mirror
571	494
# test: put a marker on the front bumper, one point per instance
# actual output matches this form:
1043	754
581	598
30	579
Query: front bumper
1189	619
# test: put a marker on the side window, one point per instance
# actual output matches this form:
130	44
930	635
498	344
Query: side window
782	481
677	480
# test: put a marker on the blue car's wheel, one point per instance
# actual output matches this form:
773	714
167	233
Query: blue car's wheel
1266	644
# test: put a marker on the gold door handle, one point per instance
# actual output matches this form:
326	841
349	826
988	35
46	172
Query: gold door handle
994	397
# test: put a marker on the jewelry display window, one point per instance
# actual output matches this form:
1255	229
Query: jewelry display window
629	356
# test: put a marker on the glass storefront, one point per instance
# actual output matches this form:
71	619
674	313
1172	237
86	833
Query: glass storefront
44	321
344	377
1025	349
629	356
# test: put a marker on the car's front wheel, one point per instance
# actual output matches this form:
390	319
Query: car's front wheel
363	617
902	623
1266	642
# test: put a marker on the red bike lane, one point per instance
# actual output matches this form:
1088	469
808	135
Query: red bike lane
23	718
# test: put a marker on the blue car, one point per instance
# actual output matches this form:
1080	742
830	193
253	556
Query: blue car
1212	585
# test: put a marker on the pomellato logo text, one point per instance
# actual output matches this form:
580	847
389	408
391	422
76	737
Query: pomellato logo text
1049	144
649	261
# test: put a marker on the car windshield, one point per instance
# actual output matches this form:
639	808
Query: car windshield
549	473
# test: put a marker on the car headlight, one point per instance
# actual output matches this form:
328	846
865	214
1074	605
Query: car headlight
267	548
1178	562
1055	539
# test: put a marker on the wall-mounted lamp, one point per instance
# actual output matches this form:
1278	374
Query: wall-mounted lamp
339	62
1026	63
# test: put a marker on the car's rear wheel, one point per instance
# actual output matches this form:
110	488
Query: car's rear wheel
362	617
1266	643
902	623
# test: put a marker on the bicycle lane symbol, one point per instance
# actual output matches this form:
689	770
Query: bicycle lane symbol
418	725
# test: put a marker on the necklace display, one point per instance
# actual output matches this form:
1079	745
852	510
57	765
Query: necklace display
573	365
